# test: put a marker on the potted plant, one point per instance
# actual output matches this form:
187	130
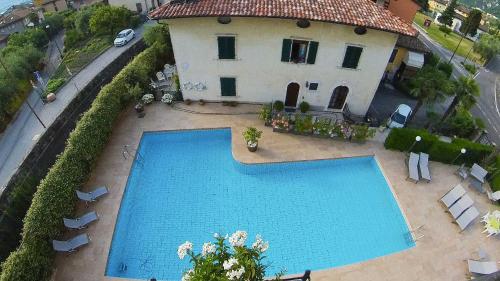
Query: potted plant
187	101
280	123
303	124
304	106
167	99
322	128
252	136
265	114
201	102
139	108
278	106
147	98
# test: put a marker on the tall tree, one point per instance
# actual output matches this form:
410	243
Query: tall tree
429	85
471	23
446	17
466	90
487	46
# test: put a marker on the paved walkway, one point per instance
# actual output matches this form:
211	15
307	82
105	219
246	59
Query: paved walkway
439	255
22	134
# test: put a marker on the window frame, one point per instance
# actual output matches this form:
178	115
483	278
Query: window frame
313	82
306	58
359	59
217	48
235	86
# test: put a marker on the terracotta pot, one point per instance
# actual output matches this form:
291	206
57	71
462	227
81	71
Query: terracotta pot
252	148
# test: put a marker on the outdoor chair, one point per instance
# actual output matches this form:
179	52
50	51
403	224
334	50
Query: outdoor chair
482	267
460	206
93	195
467	217
476	184
413	167
453	195
305	277
478	172
462	172
72	244
82	221
423	166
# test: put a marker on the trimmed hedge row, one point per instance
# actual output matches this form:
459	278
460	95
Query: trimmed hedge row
495	181
402	139
55	196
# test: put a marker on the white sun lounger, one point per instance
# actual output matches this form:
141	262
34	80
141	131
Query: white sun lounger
72	244
453	195
476	184
413	167
423	166
460	206
495	196
478	172
93	195
482	267
82	221
467	217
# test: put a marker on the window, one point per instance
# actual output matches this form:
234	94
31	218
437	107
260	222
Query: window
393	55
228	87
299	51
351	59
226	47
313	86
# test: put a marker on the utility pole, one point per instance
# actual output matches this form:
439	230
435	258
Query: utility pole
461	38
34	113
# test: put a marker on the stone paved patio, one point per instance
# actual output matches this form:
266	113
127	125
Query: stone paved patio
437	256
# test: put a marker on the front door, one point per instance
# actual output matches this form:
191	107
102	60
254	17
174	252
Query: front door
292	94
338	97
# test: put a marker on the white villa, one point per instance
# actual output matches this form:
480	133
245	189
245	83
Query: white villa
329	53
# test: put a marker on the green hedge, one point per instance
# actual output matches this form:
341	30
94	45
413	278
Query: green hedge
55	197
495	181
402	138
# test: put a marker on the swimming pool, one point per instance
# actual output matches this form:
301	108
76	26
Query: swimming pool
315	214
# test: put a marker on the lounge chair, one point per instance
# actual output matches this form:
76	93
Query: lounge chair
494	196
478	172
482	267
453	195
413	167
460	206
82	221
423	166
467	217
462	172
476	184
93	195
72	244
305	277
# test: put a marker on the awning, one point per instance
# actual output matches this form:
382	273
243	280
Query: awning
413	59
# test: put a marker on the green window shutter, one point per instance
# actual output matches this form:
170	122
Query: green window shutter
285	50
226	47
313	50
228	87
352	55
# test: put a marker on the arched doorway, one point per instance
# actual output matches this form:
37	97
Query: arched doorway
337	100
292	94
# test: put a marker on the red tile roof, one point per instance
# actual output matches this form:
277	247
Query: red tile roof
350	12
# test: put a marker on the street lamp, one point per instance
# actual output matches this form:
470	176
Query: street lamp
55	41
462	152
417	139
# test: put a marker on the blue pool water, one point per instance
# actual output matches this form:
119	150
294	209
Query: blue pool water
315	214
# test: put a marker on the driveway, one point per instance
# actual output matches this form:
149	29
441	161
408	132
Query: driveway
22	134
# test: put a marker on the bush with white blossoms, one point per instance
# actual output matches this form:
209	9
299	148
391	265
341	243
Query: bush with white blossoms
167	99
219	261
148	98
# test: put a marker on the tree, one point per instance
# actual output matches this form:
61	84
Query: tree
446	17
429	85
33	18
466	90
108	19
487	46
157	33
55	23
82	19
471	23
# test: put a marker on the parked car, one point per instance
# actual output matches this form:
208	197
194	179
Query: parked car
399	116
124	37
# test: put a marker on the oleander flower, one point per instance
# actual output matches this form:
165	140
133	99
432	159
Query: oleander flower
227	265
167	99
238	238
235	274
208	248
184	249
187	276
148	98
216	235
259	244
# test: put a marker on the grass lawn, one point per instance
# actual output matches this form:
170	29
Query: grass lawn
448	41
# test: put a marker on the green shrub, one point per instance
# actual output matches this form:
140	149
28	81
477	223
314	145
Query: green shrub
431	59
444	152
402	139
265	112
445	29
446	68
470	68
278	106
495	181
476	152
304	106
53	85
303	123
55	196
322	127
362	132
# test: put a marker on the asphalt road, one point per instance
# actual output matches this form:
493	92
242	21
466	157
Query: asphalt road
21	135
487	107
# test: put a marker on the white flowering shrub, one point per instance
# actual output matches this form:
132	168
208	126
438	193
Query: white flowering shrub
148	98
222	262
167	99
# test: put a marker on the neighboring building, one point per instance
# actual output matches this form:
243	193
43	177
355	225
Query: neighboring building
329	54
15	19
438	5
458	20
405	9
51	5
139	6
406	58
3	40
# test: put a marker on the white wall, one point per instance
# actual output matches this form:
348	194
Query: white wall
260	74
